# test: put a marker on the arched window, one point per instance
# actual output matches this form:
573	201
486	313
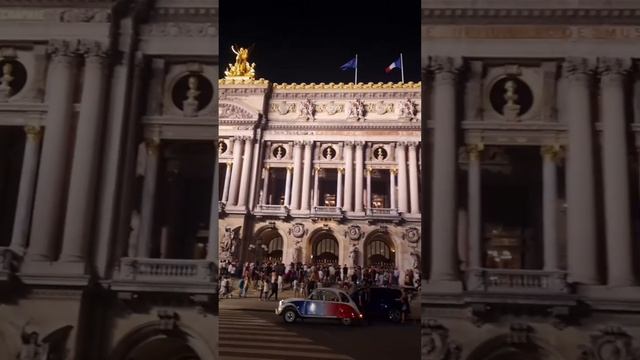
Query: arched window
379	252
325	249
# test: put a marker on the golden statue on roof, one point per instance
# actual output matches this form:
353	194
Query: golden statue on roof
241	69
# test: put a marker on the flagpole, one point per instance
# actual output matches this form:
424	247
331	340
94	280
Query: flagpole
356	81
402	67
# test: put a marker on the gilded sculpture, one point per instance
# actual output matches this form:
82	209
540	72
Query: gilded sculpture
242	68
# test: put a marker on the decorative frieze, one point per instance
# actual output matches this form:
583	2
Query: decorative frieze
179	30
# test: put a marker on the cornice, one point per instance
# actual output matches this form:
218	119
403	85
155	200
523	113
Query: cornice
184	13
364	94
570	16
347	86
56	3
261	83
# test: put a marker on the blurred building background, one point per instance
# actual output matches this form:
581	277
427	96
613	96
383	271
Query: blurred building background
108	131
532	117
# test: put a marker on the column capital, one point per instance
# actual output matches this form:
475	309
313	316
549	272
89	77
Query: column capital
445	69
153	144
551	152
413	143
401	144
33	132
341	169
307	143
289	167
578	69
229	163
359	143
613	70
348	143
298	143
474	150
369	170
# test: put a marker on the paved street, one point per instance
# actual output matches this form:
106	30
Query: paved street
249	334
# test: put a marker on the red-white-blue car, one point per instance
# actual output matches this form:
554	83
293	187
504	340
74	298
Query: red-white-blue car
322	303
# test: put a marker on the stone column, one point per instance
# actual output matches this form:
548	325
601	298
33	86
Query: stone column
245	176
339	187
413	178
235	171
265	186
51	185
369	170
316	196
348	176
550	207
392	190
403	192
297	175
287	189
306	175
444	257
84	170
212	243
581	219
26	189
227	180
148	198
359	176
475	206
616	173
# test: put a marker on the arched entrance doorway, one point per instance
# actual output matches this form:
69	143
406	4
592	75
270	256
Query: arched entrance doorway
325	249
379	251
154	340
268	246
168	348
504	348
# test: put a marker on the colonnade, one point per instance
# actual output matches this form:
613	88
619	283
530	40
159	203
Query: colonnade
350	182
582	236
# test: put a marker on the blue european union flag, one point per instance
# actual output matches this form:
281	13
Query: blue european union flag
351	64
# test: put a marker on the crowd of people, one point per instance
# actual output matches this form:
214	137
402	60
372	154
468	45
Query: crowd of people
270	278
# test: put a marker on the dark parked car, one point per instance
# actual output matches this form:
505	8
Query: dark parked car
384	303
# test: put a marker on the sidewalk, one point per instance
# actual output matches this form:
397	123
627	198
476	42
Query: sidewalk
253	303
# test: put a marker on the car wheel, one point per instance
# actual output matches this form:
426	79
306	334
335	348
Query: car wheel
395	315
289	316
346	321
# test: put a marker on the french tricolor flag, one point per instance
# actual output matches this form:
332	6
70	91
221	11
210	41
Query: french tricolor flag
395	64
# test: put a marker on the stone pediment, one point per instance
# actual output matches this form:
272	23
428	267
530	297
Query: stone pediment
235	111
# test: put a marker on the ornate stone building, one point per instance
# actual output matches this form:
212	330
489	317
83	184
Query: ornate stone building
320	173
532	115
108	132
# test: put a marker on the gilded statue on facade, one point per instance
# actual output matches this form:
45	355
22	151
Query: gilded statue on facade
242	68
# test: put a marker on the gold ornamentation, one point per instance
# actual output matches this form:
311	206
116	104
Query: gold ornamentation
242	68
370	85
474	151
33	132
553	151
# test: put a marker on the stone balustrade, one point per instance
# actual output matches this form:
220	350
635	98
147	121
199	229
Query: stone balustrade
328	211
148	273
521	281
272	210
382	213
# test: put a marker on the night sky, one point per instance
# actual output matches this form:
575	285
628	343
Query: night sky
308	41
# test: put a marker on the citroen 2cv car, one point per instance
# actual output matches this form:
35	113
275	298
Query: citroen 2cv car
322	303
